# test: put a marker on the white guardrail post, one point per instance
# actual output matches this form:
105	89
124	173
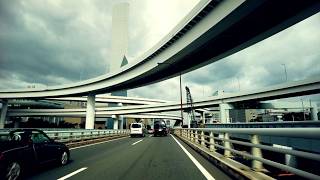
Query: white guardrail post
256	152
203	144
188	134
227	145
211	146
196	137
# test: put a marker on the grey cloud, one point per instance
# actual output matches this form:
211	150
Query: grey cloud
59	47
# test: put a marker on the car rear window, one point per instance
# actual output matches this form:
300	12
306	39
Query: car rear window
4	137
136	126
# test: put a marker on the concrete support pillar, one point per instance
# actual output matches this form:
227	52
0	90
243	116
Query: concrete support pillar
121	121
120	117
90	115
58	120
203	117
115	121
224	112
314	112
3	116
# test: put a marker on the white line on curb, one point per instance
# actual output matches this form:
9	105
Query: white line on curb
73	173
199	166
137	142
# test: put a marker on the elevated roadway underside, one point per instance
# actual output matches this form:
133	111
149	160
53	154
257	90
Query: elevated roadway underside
212	31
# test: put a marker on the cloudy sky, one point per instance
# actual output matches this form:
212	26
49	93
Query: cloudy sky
55	42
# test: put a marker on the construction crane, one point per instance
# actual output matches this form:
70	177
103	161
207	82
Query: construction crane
190	109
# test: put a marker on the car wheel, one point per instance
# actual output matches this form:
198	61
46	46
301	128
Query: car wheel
64	158
13	171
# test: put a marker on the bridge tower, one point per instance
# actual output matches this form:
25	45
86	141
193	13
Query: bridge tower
119	48
119	38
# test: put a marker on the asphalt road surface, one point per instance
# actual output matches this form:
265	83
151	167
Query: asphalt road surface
134	158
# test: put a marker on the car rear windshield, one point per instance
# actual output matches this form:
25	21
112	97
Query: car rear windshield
157	126
136	126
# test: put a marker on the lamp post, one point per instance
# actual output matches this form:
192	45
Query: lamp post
285	71
304	115
180	91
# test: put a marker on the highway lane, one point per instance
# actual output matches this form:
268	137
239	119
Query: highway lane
132	158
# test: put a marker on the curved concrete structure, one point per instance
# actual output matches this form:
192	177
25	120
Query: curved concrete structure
211	31
291	89
113	99
104	114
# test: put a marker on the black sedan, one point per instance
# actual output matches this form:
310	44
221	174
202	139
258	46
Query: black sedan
24	149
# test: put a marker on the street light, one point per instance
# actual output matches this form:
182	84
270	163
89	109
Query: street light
180	91
285	71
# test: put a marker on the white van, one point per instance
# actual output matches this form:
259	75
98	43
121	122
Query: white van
137	129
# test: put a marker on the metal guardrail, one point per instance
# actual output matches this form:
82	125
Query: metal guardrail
218	140
277	124
72	135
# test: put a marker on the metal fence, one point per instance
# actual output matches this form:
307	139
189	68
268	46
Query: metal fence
276	124
222	141
72	135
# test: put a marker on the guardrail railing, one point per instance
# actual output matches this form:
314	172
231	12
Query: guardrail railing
223	141
69	135
276	124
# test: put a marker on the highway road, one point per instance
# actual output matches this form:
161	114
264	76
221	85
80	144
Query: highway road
134	158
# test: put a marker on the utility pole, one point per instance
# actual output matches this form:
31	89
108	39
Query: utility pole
180	91
181	100
304	115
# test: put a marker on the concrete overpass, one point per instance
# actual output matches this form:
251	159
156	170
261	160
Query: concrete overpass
72	113
211	31
286	90
113	99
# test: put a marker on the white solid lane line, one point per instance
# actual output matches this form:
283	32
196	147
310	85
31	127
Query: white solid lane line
73	173
199	166
137	142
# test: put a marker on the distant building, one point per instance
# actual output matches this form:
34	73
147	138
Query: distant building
243	115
